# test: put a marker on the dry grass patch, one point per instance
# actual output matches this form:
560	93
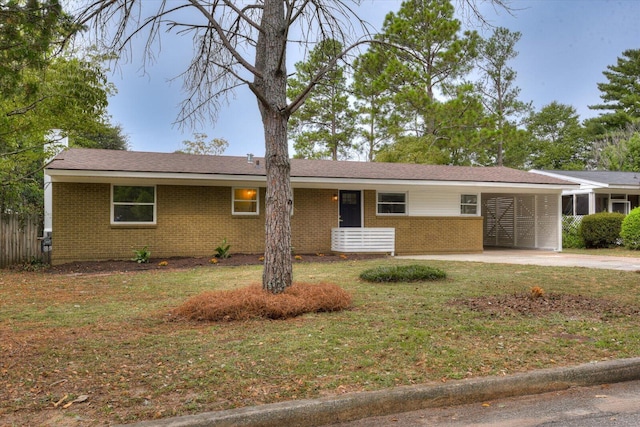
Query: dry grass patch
536	303
253	302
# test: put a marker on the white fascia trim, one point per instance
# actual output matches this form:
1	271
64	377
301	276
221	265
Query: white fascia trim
582	182
375	183
614	187
576	192
62	175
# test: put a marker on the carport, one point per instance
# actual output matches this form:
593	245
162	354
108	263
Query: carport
530	221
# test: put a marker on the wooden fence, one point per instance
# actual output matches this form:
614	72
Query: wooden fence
19	239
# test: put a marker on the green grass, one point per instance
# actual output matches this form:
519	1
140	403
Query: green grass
110	336
617	251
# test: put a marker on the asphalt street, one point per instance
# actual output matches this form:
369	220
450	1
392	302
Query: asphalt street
604	405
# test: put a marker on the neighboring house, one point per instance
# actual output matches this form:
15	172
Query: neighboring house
107	203
598	191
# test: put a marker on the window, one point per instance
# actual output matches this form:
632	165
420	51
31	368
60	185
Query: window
133	205
577	204
567	205
245	201
582	204
349	198
619	203
602	203
620	206
469	204
392	203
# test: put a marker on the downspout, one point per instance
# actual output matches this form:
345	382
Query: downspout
58	143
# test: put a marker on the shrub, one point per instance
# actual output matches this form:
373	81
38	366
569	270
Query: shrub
601	230
254	302
222	251
571	237
630	231
32	264
402	273
141	256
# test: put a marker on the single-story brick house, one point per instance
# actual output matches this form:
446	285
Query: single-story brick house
598	191
105	203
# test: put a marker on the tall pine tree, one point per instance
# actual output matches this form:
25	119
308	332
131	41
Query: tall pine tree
497	87
434	119
324	126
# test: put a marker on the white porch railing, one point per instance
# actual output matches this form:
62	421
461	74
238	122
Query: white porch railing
358	240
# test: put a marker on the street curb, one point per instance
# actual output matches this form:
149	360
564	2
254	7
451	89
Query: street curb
354	406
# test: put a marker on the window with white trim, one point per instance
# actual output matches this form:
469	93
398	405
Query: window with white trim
468	204
132	204
392	203
245	201
619	203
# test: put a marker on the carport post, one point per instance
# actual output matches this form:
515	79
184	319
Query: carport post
559	226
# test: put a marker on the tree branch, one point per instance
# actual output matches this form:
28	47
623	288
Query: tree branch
27	108
223	38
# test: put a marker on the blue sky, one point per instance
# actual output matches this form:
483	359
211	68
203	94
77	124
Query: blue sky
565	47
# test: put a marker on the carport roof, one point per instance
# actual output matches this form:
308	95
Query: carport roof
602	178
84	162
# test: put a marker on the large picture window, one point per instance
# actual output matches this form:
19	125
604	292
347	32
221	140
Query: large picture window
245	201
133	204
469	204
392	203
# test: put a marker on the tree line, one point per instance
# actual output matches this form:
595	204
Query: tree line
445	95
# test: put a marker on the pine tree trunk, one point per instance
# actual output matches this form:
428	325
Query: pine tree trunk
277	274
272	85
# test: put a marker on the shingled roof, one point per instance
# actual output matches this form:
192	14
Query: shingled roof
96	160
605	178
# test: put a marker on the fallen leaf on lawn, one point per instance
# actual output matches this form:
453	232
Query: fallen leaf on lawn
81	398
486	405
601	396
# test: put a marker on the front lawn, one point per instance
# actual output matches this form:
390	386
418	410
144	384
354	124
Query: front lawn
103	348
617	251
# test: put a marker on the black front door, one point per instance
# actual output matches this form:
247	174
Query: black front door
350	208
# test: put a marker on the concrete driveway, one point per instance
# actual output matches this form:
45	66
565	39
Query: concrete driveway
539	257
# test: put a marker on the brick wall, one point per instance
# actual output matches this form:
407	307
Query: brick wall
426	234
314	214
191	221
